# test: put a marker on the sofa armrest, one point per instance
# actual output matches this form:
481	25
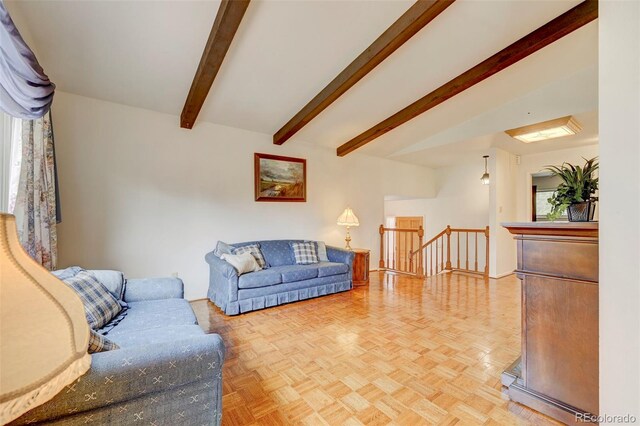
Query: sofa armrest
340	255
140	289
130	373
224	268
223	280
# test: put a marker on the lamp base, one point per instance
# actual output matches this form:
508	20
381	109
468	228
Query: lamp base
347	240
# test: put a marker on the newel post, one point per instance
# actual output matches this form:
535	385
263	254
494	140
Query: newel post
486	265
420	268
381	263
448	232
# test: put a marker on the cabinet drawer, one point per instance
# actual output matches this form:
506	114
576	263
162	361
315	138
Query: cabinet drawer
566	258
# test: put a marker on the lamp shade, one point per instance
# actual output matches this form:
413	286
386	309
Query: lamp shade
348	218
43	330
485	179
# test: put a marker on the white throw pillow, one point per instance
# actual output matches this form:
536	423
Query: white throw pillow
244	262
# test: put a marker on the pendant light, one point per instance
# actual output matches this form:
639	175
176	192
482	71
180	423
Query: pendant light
485	177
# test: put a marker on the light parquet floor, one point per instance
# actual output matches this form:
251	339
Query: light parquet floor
401	351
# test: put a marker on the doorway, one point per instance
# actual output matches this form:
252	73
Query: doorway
403	241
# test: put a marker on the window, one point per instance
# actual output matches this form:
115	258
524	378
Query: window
10	158
542	205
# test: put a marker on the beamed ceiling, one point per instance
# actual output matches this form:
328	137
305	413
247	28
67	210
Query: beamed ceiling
145	54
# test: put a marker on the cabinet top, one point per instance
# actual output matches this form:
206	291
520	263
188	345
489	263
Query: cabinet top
567	229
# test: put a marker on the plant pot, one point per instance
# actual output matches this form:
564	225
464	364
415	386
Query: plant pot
581	212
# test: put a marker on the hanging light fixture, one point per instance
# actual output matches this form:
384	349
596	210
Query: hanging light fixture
485	177
557	128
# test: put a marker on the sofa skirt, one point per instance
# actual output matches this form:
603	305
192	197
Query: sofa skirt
275	299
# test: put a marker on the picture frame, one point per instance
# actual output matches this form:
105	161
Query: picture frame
280	179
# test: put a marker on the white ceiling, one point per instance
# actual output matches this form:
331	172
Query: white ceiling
144	54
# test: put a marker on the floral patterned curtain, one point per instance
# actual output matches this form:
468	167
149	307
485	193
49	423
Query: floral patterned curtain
35	207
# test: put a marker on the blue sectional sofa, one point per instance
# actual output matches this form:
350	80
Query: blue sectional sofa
166	372
282	281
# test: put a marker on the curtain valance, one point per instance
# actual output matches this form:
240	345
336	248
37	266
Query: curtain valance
25	90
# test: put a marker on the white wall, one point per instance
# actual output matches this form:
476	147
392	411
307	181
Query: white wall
619	26
461	201
502	201
141	195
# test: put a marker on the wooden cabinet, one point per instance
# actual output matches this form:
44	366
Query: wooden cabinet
557	373
361	267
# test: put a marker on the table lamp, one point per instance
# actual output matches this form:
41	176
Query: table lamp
348	218
44	333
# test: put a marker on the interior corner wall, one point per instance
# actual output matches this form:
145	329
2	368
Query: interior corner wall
619	286
502	208
460	201
141	195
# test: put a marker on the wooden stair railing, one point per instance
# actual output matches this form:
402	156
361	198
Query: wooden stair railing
396	245
442	244
402	250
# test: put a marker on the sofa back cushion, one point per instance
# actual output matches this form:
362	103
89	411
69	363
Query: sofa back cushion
275	252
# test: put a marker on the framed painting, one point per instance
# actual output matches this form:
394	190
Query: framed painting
280	178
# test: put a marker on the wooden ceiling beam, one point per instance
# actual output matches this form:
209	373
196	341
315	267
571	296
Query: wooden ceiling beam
559	27
224	28
412	21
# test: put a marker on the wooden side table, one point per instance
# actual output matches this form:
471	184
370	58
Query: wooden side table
361	267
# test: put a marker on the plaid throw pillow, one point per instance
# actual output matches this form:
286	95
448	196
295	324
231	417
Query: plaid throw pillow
254	249
99	304
99	343
305	253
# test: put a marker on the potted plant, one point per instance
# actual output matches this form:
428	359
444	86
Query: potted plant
576	193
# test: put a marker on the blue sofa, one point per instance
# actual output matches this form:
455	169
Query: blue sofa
166	372
281	282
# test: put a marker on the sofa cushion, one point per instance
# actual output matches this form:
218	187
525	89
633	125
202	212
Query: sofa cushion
69	272
326	269
277	252
262	278
223	248
322	251
254	249
153	314
305	253
170	333
249	293
113	280
100	306
243	263
100	343
293	273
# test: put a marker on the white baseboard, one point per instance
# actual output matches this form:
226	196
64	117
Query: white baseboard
506	274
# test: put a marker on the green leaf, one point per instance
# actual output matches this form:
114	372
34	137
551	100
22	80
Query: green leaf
579	184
